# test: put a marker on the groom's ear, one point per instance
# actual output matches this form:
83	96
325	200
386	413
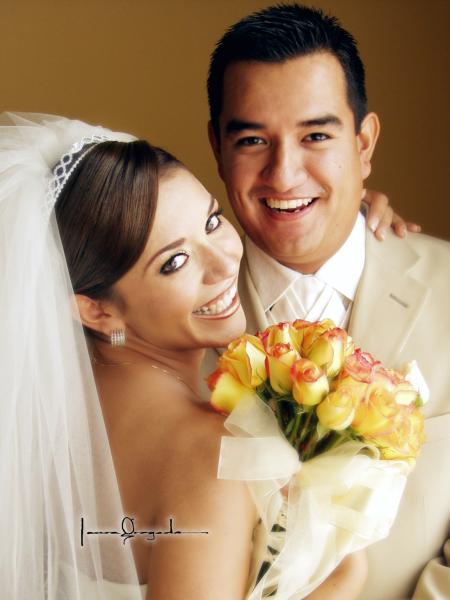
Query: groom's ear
98	315
367	139
215	146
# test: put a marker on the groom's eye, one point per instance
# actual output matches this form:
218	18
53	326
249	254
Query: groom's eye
252	140
317	137
214	221
174	263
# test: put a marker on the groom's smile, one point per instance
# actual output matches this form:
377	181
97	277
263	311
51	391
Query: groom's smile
290	156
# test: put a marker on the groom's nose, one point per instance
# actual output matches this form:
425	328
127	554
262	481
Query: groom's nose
284	169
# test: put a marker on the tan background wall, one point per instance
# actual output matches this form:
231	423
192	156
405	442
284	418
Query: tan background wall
140	66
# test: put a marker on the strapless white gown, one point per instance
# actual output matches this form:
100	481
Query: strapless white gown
337	503
107	590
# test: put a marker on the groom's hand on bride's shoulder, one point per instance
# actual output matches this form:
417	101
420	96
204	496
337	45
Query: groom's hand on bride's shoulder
381	216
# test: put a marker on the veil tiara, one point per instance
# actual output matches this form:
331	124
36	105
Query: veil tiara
67	165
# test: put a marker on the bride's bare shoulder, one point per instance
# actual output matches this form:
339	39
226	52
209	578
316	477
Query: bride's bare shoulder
197	501
194	441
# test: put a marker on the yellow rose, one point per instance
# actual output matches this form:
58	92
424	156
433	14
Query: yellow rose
375	413
360	366
357	389
328	351
280	359
406	437
337	410
310	384
282	333
245	358
394	382
309	332
227	391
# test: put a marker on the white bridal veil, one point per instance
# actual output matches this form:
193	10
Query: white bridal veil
57	480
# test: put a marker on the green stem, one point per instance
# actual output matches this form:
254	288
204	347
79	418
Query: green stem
335	440
297	421
305	429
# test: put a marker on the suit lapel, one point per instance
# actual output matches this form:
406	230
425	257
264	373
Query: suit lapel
388	300
253	309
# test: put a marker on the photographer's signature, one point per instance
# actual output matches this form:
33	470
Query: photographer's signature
128	531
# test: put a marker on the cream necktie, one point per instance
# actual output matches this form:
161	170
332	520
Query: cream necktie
311	299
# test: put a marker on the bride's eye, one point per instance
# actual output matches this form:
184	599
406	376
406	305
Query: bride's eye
174	263
214	221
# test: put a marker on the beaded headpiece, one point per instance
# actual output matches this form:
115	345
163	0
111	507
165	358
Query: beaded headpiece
67	165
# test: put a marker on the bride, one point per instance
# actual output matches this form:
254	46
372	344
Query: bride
116	495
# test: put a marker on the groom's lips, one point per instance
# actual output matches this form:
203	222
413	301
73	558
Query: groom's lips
288	208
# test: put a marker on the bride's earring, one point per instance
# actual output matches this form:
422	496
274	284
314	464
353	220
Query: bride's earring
117	337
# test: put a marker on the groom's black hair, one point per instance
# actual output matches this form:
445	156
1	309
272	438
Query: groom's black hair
280	33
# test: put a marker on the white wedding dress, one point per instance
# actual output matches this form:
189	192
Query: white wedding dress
112	590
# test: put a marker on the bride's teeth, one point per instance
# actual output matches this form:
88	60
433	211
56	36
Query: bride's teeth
288	204
220	306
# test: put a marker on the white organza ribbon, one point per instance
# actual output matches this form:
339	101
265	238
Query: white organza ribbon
337	503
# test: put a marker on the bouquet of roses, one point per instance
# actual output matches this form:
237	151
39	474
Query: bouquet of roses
354	425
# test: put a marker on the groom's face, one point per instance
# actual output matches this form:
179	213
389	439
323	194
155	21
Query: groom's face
290	157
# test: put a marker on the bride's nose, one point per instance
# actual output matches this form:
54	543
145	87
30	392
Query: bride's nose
220	263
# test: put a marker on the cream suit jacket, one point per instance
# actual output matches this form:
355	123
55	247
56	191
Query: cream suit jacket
401	312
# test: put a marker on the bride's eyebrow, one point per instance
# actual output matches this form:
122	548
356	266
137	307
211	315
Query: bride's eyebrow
179	242
211	203
171	246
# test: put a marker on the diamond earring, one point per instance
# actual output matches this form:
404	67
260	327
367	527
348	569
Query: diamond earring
117	337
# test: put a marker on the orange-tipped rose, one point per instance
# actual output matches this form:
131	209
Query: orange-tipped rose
359	366
375	414
280	359
337	410
245	358
310	384
309	332
403	391
227	391
328	351
406	437
282	333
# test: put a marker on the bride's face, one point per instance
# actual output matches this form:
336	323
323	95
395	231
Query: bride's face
182	292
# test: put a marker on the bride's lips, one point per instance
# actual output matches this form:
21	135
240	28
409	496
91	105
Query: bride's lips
222	306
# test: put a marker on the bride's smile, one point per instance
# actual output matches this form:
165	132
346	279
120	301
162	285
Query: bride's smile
221	305
182	291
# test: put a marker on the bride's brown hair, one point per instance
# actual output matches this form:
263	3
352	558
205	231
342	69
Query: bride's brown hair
106	210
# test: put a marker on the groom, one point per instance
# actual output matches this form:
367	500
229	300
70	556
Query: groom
293	140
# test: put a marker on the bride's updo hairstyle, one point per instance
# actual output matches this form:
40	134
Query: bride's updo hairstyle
105	212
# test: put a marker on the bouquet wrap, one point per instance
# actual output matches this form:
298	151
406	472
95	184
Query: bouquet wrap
337	503
325	437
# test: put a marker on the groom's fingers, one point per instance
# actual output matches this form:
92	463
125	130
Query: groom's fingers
381	216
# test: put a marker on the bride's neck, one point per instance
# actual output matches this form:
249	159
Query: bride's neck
183	364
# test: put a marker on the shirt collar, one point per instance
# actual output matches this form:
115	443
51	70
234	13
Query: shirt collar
342	271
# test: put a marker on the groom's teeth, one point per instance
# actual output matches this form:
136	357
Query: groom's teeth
220	306
288	204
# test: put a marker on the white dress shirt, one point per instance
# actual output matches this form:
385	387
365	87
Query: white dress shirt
287	295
